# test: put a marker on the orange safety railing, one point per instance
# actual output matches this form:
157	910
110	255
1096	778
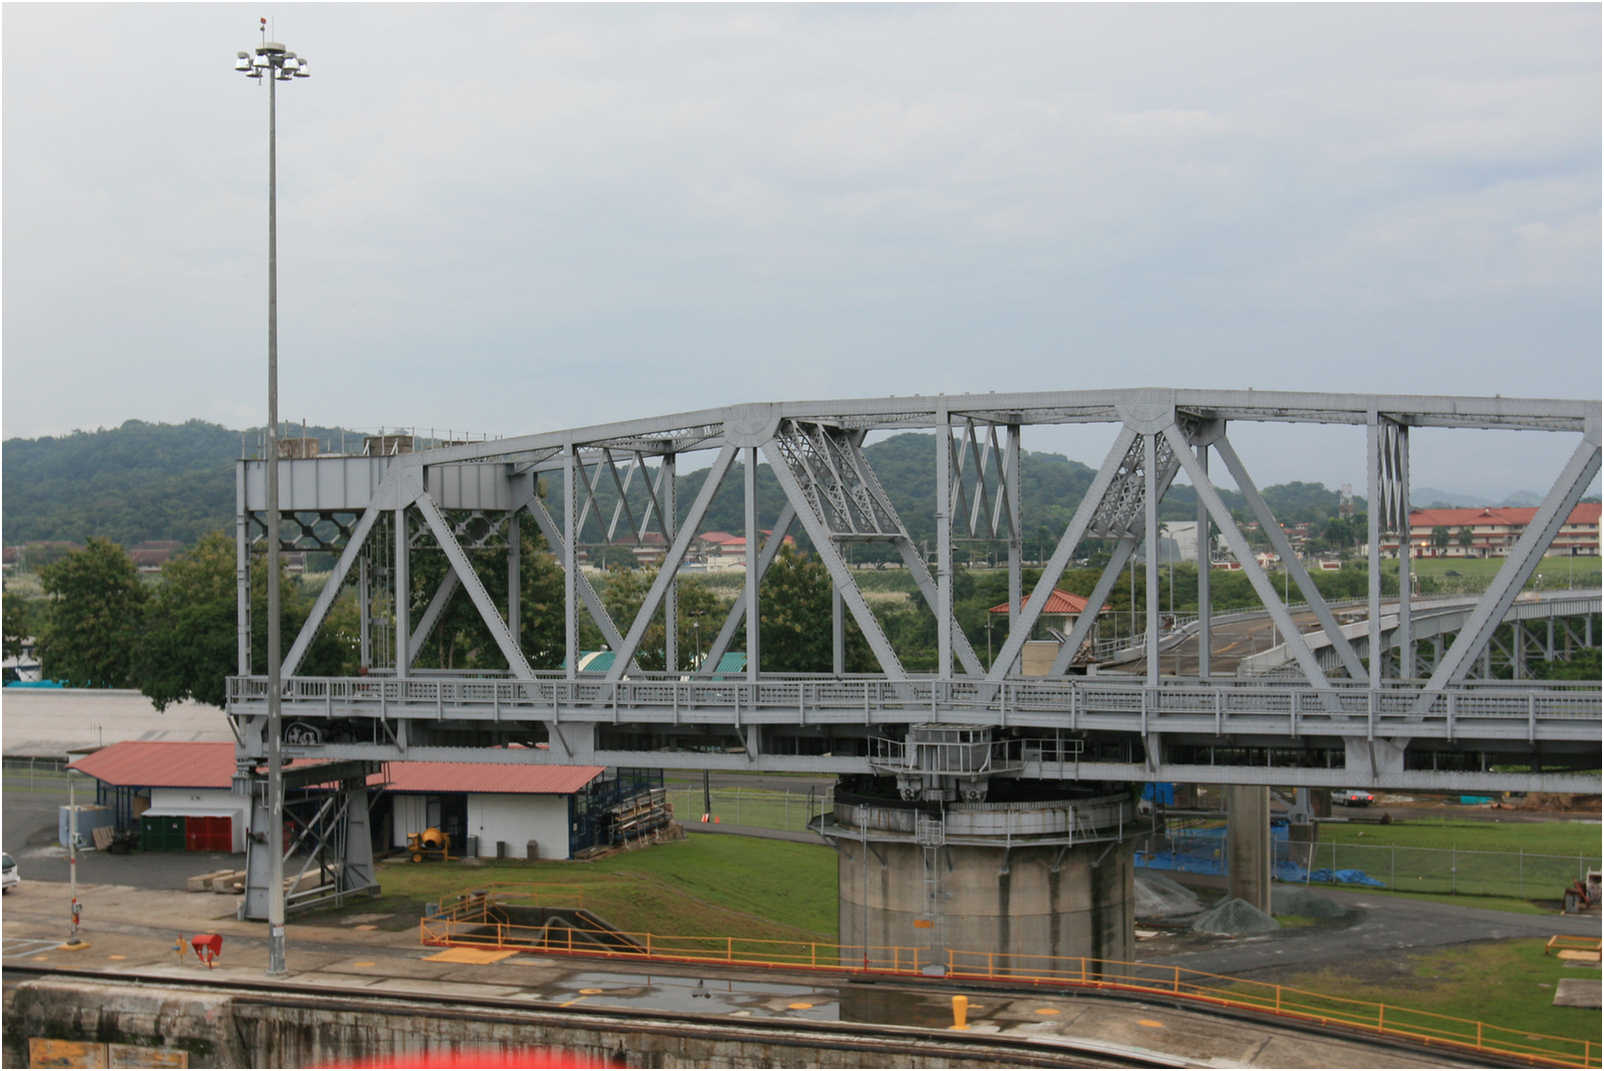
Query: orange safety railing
1388	1019
476	919
1579	944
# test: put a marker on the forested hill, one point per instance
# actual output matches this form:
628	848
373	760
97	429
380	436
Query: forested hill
146	481
128	484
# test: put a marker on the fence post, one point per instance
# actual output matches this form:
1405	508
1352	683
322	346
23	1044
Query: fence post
1453	868
1521	863
1392	876
1177	985
729	942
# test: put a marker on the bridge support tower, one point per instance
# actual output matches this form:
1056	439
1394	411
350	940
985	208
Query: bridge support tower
946	853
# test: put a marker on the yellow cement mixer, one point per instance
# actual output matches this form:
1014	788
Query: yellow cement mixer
432	843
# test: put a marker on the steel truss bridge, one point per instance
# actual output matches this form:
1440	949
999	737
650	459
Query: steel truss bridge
1325	710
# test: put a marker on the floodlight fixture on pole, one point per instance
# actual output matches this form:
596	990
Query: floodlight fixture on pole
277	64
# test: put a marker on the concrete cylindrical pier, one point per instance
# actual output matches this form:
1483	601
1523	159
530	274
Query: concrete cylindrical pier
1037	870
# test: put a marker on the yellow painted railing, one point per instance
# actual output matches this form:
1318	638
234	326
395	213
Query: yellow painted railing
474	919
1579	944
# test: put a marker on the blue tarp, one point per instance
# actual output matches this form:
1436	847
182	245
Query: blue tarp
1160	792
1203	852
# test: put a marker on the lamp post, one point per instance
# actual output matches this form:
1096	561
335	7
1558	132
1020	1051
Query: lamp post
275	63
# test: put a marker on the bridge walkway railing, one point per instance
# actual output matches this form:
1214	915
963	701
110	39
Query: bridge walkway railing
1552	711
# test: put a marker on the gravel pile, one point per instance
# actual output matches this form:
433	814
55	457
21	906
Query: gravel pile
1234	918
1158	897
1302	902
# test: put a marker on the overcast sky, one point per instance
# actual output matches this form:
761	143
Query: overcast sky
516	219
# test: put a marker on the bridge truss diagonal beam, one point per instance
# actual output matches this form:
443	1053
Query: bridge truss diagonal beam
331	590
737	610
992	468
1283	547
1155	457
449	584
1244	554
1124	548
1111	469
930	591
830	554
510	650
671	563
585	590
1517	569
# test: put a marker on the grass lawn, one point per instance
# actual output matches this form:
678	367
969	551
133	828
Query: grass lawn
1508	984
703	885
1475	574
1544	838
1513	862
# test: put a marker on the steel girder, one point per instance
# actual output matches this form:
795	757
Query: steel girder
470	495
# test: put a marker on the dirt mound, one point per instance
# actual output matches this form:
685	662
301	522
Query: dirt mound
1557	801
1157	897
1234	918
1305	904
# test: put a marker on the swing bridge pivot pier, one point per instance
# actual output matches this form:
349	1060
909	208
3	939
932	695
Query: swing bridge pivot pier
974	791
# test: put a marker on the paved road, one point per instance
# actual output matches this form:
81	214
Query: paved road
1378	926
1229	643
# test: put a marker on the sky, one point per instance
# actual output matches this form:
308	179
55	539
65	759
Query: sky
513	219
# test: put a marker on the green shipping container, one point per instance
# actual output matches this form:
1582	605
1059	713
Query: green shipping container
161	833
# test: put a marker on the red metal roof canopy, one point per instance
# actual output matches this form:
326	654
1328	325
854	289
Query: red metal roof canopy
1059	602
187	764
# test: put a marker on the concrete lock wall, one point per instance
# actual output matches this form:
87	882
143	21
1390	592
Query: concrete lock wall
288	1029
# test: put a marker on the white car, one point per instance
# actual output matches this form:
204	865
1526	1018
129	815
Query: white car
9	878
1353	797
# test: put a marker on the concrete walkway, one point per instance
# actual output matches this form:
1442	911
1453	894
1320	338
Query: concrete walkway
137	932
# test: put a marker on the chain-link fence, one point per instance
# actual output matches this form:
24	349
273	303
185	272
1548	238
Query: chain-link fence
737	805
1520	874
1452	870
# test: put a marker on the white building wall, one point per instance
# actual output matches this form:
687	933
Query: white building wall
207	801
518	819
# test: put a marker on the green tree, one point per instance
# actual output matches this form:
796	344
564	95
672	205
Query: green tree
93	617
794	629
1439	538
187	648
701	612
1465	539
20	619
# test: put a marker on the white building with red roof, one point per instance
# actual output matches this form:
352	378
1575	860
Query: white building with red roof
1493	530
182	795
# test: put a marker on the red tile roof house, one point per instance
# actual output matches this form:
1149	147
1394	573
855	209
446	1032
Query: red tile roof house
510	804
720	549
1058	614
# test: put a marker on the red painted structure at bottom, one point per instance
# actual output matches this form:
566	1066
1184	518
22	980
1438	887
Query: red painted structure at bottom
208	947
